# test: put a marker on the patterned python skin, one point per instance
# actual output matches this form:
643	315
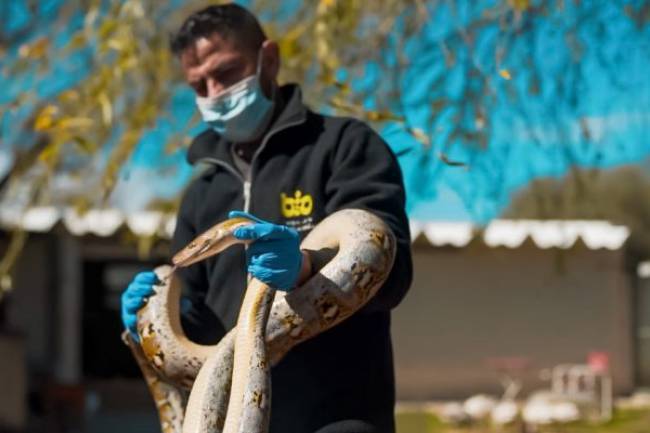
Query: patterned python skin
226	387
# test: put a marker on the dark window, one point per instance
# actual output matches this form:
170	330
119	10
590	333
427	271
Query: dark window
104	353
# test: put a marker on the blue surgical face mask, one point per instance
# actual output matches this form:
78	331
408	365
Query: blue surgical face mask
240	113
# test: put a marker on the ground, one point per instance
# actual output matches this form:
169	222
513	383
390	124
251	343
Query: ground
624	421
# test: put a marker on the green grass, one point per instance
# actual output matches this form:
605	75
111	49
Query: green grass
419	422
624	421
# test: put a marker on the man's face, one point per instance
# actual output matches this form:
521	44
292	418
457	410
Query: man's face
215	63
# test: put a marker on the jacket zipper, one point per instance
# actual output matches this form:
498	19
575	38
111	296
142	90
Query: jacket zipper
247	193
247	183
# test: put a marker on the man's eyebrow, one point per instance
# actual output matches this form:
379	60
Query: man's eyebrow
212	67
216	66
224	65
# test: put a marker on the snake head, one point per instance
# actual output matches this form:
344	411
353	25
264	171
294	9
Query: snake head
211	242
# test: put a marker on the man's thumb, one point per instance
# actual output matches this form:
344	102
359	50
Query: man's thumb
246	233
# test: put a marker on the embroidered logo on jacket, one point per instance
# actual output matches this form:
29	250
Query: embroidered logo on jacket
297	206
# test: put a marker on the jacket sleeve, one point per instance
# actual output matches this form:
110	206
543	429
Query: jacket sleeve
194	279
365	175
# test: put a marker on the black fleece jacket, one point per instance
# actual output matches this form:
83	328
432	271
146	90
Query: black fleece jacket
307	167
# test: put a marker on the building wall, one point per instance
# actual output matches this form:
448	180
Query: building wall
643	331
466	307
469	306
39	308
30	306
25	332
13	380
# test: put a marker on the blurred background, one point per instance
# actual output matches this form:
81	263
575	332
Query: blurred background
522	129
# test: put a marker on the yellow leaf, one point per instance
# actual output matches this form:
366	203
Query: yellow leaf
132	8
91	16
9	257
116	44
383	116
69	96
84	144
327	77
5	284
34	50
75	122
505	74
23	51
420	136
295	32
106	29
439	104
145	245
289	45
22	98
49	154
45	119
77	41
479	121
520	5
124	63
39	48
81	205
327	3
444	158
342	87
341	104
107	108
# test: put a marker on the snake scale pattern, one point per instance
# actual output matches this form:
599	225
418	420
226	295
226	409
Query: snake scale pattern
226	387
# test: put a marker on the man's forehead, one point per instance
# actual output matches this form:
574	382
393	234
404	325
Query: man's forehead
207	46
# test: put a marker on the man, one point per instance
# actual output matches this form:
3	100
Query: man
268	154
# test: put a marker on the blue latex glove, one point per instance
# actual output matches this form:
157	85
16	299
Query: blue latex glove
133	298
274	257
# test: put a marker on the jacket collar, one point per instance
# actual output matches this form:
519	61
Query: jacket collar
209	144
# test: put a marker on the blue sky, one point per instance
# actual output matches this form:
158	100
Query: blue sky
530	137
611	98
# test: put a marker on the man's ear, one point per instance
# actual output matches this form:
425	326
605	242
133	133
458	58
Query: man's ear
271	60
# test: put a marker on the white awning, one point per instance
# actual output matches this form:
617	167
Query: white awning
104	222
498	233
513	233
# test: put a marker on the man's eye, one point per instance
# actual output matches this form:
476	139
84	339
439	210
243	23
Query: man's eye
228	77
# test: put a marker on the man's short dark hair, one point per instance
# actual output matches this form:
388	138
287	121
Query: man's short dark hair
227	20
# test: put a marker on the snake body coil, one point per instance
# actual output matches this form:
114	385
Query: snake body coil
226	387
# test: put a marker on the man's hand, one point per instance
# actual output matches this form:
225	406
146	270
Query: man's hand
133	298
274	257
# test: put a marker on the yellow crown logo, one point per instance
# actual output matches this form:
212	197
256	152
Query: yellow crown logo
296	206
